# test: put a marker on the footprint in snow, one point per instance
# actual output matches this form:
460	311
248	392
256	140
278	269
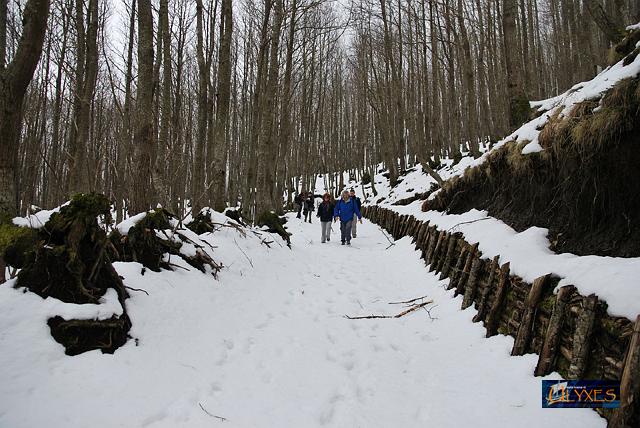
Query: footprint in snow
348	364
326	416
215	388
222	358
249	344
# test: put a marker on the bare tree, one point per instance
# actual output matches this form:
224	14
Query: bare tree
144	140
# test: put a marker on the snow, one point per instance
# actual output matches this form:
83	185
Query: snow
267	345
37	220
416	180
22	302
613	279
532	147
124	226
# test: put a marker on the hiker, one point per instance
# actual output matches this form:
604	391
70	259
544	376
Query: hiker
345	210
298	202
325	213
352	193
309	207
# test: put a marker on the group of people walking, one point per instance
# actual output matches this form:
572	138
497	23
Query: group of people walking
346	210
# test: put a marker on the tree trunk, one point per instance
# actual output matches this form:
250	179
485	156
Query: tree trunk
14	80
518	102
613	33
222	113
161	158
86	76
143	193
197	181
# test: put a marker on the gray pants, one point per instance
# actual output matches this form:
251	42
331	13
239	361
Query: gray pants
354	225
326	230
345	230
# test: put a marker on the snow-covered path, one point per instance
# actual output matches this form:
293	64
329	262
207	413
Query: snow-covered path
268	346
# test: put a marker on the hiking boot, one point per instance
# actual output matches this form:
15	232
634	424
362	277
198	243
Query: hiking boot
342	242
348	242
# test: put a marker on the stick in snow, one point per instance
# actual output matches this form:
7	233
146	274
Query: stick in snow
213	416
401	314
407	301
391	243
137	289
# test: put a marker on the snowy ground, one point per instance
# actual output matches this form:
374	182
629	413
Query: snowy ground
268	346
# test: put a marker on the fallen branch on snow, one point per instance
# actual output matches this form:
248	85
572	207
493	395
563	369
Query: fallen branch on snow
467	222
401	314
137	289
408	301
210	414
391	243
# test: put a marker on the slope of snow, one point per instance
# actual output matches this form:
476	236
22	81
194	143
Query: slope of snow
37	220
416	180
267	345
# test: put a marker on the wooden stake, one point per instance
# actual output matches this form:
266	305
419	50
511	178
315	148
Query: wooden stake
462	280
494	312
528	316
447	260
582	337
627	414
547	359
482	304
470	289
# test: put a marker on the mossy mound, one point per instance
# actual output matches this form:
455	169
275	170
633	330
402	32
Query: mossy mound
366	178
156	235
68	259
80	336
235	215
15	242
583	186
626	48
274	224
201	223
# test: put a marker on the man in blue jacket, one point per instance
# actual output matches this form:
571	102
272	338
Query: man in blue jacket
345	210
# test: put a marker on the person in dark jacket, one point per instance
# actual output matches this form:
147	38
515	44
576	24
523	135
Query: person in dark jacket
309	207
345	210
298	201
352	193
325	213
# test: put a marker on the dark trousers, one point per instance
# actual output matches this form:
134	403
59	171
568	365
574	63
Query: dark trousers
345	230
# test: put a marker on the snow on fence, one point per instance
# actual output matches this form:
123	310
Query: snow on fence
572	334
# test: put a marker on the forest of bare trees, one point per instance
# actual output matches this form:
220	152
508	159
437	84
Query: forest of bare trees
217	102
